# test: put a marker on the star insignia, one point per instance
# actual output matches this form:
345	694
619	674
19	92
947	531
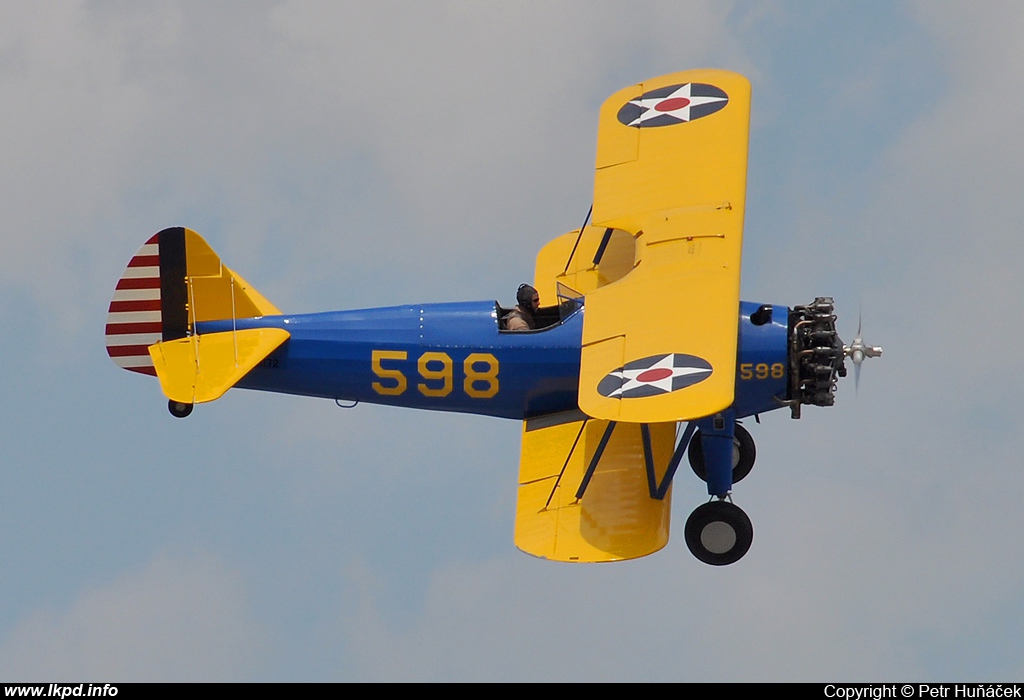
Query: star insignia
674	104
650	376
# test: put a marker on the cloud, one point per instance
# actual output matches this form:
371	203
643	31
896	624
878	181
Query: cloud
176	618
328	137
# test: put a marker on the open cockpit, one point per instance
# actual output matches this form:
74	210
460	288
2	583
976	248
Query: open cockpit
546	317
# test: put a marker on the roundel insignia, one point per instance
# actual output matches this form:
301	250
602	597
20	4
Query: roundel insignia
660	374
674	104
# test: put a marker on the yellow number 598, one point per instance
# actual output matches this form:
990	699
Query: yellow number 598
436	371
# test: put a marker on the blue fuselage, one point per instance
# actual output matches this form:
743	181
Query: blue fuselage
453	357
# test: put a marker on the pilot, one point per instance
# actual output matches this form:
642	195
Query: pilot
521	317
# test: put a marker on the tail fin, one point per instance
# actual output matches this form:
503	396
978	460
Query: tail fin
174	281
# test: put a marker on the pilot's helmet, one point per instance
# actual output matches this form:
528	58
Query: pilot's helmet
524	297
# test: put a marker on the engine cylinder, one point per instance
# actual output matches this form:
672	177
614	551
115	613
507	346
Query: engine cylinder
816	358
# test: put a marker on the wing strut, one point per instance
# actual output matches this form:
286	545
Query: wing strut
604	244
572	449
659	490
597	458
577	243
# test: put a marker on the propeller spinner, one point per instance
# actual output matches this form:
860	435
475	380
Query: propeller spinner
858	351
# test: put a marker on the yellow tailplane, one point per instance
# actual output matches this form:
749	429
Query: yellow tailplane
201	368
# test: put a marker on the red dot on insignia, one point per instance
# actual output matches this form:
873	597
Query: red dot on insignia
653	375
671	104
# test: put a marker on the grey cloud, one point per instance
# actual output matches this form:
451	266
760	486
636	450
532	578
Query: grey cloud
177	618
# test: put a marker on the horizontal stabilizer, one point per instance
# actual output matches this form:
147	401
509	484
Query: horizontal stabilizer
201	368
616	517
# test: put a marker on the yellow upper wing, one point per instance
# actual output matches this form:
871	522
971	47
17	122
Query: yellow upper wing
569	260
659	344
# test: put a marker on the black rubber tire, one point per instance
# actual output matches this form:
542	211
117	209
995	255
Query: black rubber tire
178	409
744	455
719	533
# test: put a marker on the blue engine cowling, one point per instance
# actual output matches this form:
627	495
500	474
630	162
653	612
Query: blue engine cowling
787	357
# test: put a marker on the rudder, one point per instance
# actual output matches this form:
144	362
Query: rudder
136	317
172	282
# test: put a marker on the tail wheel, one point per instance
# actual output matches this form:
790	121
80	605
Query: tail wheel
743	455
719	533
178	409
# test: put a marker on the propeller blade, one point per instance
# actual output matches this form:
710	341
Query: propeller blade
857	351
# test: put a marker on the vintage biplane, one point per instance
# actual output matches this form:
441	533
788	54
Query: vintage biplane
643	353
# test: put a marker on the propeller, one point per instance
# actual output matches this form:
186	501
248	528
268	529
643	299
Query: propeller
858	351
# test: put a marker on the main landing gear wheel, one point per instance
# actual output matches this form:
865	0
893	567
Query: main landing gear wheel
743	454
178	409
719	533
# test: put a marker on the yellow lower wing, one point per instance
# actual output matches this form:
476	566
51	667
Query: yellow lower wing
201	368
616	518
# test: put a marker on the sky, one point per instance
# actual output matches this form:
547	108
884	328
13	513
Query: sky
348	155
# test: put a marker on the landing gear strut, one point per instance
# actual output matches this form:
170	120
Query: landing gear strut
178	409
718	533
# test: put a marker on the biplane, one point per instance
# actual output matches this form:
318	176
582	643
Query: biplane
643	353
